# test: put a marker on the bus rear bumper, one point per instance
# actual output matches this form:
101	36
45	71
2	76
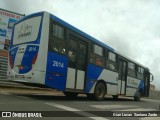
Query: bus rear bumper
30	77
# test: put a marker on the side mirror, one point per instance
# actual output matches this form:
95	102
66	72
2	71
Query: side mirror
151	77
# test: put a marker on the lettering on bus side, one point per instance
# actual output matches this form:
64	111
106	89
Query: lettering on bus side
32	49
58	64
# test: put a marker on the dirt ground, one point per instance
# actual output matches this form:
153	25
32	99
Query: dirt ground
28	91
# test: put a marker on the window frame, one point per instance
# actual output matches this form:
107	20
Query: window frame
132	71
57	29
94	57
53	38
98	47
140	73
113	63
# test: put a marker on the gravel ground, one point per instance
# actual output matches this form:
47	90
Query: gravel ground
29	91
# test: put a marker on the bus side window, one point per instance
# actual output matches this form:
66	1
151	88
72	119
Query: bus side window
100	61
111	61
56	42
96	57
110	65
140	73
97	60
131	69
58	46
72	53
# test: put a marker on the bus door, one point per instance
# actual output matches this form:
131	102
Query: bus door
122	77
77	54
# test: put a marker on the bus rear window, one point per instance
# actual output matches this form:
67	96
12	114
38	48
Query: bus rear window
27	30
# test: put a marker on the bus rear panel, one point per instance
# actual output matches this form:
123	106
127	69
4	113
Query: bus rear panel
26	59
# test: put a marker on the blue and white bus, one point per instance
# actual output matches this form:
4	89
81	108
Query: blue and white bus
46	50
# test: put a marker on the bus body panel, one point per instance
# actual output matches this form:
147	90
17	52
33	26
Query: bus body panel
93	73
133	85
25	56
70	83
80	80
56	72
75	79
110	77
12	57
40	65
96	73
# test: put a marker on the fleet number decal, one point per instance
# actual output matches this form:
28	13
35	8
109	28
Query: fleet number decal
58	64
32	48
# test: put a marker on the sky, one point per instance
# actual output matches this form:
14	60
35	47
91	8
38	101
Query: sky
131	27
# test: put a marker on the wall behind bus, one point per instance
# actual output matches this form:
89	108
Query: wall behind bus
154	94
7	20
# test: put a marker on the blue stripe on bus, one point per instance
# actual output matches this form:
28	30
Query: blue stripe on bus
56	71
29	54
80	32
93	74
140	86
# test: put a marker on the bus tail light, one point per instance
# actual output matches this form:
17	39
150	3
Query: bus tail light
10	62
34	59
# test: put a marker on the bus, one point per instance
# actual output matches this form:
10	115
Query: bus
45	50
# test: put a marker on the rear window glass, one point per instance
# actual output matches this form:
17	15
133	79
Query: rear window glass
27	30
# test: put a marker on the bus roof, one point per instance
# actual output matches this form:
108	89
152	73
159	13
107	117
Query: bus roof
67	25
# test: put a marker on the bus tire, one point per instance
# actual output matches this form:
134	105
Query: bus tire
100	91
138	97
70	94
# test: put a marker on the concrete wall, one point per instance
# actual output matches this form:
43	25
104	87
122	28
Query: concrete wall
154	94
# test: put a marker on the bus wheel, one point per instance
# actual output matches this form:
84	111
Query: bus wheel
70	94
138	97
115	97
100	91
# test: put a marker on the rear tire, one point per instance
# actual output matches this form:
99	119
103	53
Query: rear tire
100	91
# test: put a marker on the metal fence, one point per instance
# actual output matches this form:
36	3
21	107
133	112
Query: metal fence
3	67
